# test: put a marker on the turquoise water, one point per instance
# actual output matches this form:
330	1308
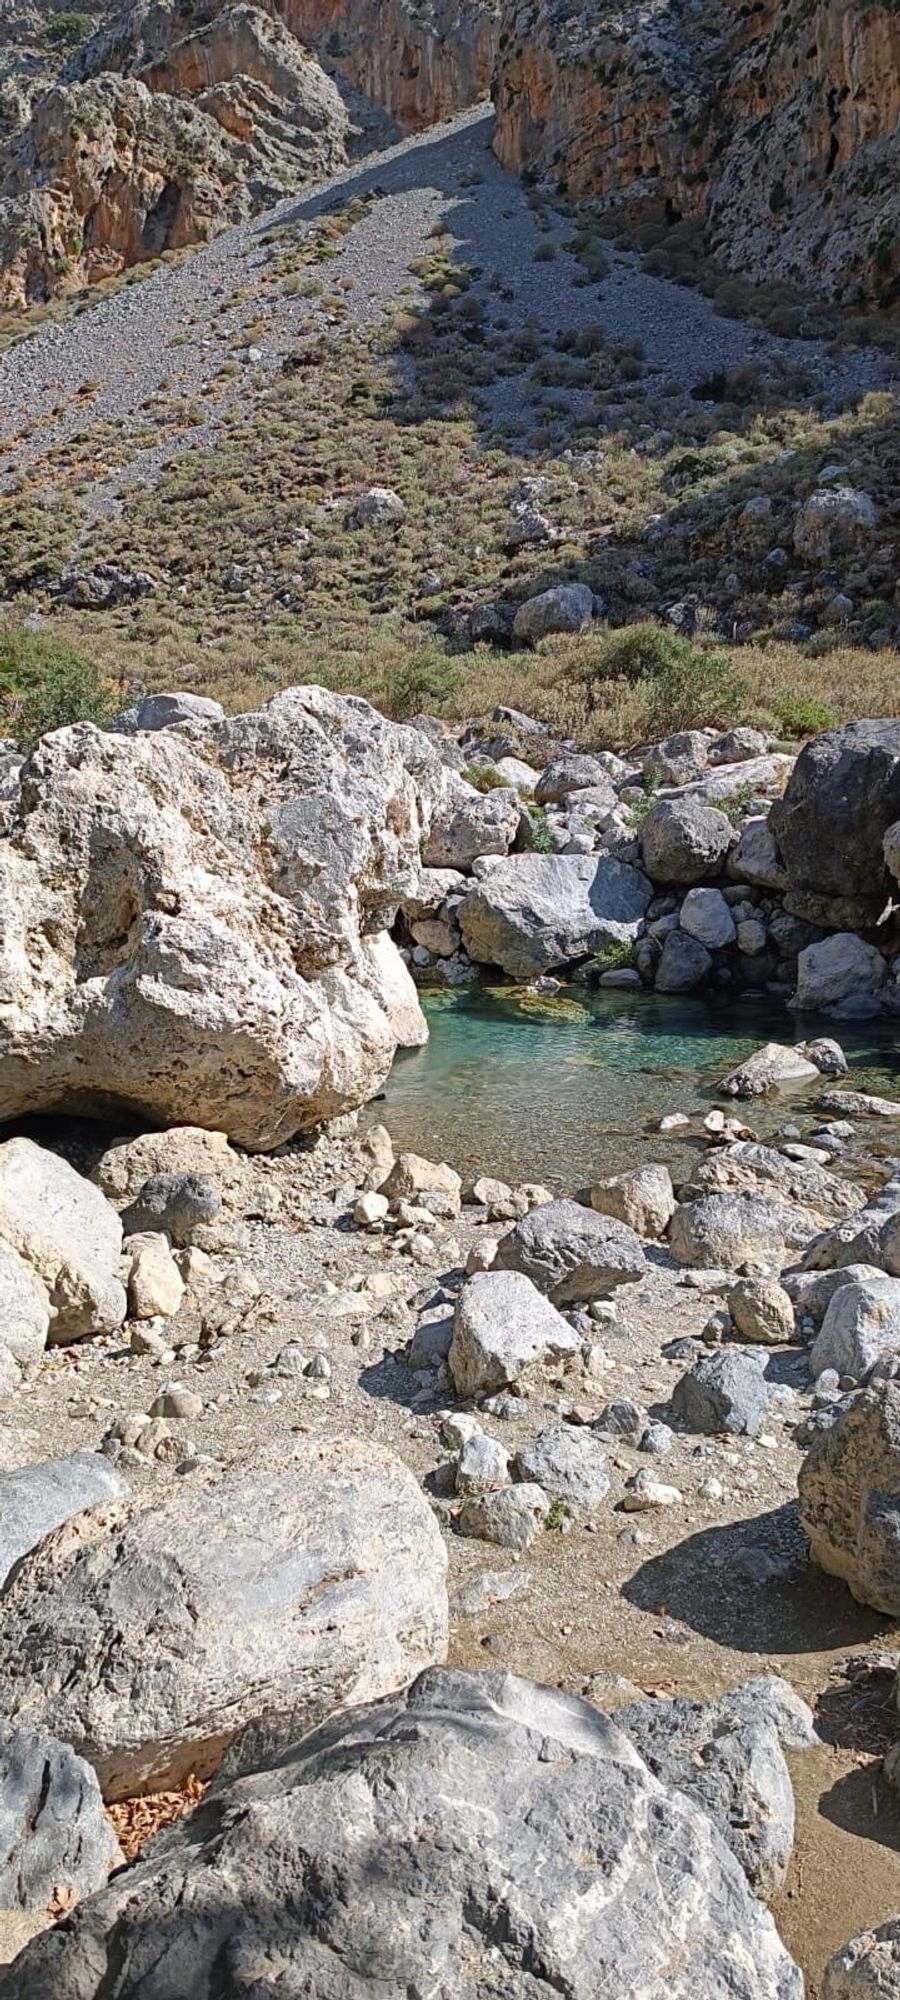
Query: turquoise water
566	1090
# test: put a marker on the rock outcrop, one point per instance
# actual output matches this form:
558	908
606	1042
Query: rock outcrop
196	920
421	60
849	1487
390	1850
274	1590
830	825
777	131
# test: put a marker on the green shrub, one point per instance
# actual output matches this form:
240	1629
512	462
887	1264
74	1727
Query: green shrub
685	685
540	839
484	777
801	715
66	30
45	684
427	680
613	957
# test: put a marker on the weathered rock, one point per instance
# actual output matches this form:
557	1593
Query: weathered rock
723	1231
677	758
24	1315
849	1488
683	841
124	1167
622	1419
502	1327
67	1234
867	1967
569	1464
572	773
280	1588
413	1178
832	521
155	1284
166	711
616	1883
55	1838
511	1518
544	910
826	1054
482	1465
761	1310
473	824
842	976
174	1203
773	1067
35	1499
684	964
745	1167
754	857
705	915
567	607
859	1104
378	507
643	1197
239	981
724	1393
725	1755
572	1253
861	1325
843	794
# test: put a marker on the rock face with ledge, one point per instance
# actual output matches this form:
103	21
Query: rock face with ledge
339	1867
196	919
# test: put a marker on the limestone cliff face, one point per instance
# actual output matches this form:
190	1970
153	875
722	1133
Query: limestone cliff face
421	63
777	125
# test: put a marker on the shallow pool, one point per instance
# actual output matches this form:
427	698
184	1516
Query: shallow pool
568	1089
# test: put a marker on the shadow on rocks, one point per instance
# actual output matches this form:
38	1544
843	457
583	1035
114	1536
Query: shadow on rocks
750	1585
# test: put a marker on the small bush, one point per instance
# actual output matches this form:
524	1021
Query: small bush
484	777
427	680
46	685
66	30
686	685
801	715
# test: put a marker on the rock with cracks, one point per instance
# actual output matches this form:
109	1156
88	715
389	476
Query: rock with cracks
502	1327
196	920
849	1487
537	911
279	1589
572	1253
563	1865
55	1838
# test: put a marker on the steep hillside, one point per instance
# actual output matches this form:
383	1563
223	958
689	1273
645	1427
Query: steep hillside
775	127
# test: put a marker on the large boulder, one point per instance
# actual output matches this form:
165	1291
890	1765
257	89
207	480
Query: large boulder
773	1067
24	1318
570	1465
380	1854
849	1488
684	841
867	1967
473	823
726	1755
282	1588
538	911
832	521
841	975
573	772
722	1232
502	1327
572	1253
861	1326
705	915
642	1197
208	904
55	1838
35	1499
754	856
724	1394
684	964
843	794
566	607
67	1234
745	1167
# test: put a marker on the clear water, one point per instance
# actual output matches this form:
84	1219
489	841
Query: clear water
566	1090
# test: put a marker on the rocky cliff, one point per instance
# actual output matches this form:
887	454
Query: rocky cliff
777	127
173	119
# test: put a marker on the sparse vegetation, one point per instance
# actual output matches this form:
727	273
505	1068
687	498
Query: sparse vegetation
45	684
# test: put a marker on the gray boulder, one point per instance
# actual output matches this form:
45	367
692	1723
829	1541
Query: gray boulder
511	1518
861	1326
567	607
722	1232
684	964
502	1327
834	520
569	1464
724	1393
55	1838
472	824
642	1197
754	857
841	797
539	911
726	1756
761	1310
842	976
813	1194
573	773
706	916
69	1236
572	1253
166	711
612	1883
684	841
773	1067
178	1204
867	1967
277	1587
849	1489
35	1499
24	1318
